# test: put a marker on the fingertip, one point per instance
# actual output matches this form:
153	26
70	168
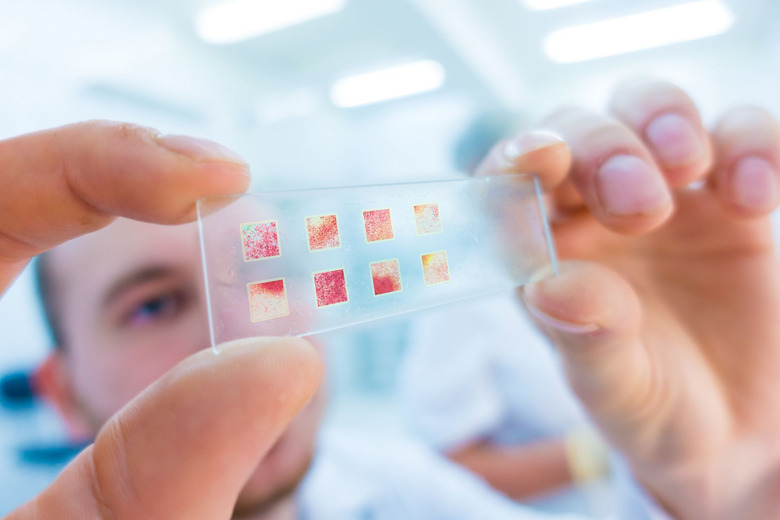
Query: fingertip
752	188
681	147
294	357
541	152
632	194
747	174
614	173
134	171
199	149
669	123
583	298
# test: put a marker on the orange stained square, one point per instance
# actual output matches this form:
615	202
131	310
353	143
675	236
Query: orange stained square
323	232
427	219
436	270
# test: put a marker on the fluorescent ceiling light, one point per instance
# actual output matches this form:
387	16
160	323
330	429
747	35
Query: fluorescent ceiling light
386	84
544	5
235	20
640	31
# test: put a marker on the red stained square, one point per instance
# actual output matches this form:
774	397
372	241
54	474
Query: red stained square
330	287
378	225
260	240
436	270
267	300
386	277
426	219
323	232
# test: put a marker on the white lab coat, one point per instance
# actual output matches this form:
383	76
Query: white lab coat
357	477
480	370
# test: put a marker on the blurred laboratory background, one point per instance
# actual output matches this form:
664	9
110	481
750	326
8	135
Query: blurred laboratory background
340	92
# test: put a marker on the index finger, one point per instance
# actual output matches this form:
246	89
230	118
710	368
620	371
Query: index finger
61	183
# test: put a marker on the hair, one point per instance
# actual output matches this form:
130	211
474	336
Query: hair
45	287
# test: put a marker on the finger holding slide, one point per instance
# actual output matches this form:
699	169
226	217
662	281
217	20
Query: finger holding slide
540	153
747	171
593	315
61	183
185	447
668	122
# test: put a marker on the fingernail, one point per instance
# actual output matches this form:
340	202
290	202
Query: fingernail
754	184
199	149
558	324
527	143
627	185
675	142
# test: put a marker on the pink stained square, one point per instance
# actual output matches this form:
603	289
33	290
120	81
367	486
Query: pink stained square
260	240
378	225
330	287
386	277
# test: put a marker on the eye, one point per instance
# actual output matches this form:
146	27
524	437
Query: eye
154	309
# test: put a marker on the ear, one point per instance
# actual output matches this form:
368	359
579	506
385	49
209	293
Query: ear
52	384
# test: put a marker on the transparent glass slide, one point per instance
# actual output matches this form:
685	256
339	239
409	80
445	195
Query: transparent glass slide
307	261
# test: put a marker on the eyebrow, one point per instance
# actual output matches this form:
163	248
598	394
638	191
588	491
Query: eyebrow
145	274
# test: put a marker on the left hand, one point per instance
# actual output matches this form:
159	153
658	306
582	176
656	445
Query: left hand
185	447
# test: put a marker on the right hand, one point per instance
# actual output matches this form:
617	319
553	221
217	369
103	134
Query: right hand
667	307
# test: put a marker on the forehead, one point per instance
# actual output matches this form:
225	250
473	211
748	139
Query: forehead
94	261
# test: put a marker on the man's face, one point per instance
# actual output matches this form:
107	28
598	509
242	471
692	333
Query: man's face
130	304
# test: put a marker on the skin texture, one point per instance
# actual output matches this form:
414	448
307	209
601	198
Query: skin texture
522	471
665	315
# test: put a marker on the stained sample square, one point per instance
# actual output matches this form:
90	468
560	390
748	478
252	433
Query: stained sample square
260	240
435	268
426	219
323	232
330	287
267	300
378	225
386	276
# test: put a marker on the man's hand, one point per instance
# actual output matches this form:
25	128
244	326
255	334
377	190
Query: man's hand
667	308
184	448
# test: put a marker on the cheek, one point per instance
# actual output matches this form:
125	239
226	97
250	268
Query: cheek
104	384
108	377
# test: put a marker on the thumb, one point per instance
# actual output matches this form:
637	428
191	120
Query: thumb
593	316
185	447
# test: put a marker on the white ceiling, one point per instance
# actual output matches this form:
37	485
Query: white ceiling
141	60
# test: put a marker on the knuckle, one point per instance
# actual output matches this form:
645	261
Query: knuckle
601	139
746	118
638	102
